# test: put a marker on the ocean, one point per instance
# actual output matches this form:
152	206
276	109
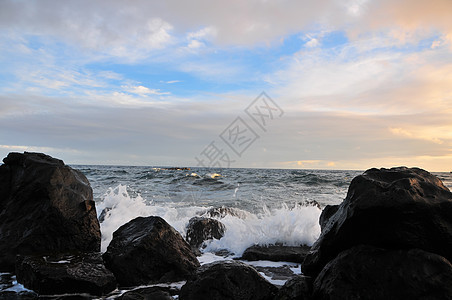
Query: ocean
274	205
270	205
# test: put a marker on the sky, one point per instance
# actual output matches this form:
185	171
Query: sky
326	84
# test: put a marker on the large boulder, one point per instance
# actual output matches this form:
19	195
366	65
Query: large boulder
276	253
65	274
366	272
149	250
200	229
45	207
227	280
398	208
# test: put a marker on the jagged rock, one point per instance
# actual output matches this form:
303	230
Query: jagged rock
398	208
45	207
149	293
276	253
149	250
297	288
65	274
366	272
200	229
327	212
227	280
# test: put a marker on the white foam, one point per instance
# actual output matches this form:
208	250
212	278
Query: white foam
291	227
279	282
209	257
124	208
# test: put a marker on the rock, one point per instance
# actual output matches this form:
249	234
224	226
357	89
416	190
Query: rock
226	280
297	288
45	207
398	208
221	212
65	274
12	295
148	250
276	253
276	273
151	293
327	212
105	213
201	229
366	272
307	203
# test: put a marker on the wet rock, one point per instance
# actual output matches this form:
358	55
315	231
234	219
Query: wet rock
398	208
148	250
276	273
227	280
308	203
276	253
221	212
45	207
366	272
151	293
105	213
297	288
327	212
11	295
201	229
65	274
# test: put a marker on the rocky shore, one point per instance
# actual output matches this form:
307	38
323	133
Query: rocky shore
391	238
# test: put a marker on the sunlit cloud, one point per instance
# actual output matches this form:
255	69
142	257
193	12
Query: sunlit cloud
361	82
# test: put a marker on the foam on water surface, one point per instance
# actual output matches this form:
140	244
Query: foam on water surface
289	226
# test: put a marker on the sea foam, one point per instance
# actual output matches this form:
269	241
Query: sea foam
286	225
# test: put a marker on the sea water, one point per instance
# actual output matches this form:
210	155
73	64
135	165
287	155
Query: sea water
270	205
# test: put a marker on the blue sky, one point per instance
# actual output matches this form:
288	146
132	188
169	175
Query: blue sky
362	83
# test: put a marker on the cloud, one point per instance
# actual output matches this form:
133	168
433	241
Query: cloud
143	91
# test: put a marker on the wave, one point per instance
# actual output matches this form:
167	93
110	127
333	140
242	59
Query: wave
287	225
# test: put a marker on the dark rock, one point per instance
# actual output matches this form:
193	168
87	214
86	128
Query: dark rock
398	208
297	288
6	281
227	280
201	229
65	274
366	272
276	253
276	273
221	212
105	213
327	212
149	293
23	295
45	207
307	203
224	253
66	297
147	250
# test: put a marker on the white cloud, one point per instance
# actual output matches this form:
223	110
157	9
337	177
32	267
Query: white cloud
195	44
143	91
